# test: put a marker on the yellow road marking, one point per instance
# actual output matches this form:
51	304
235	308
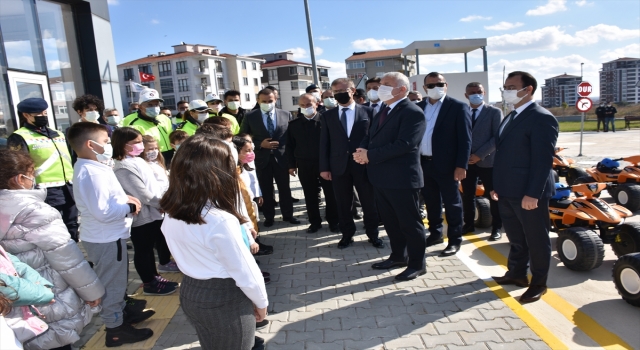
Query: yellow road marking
584	322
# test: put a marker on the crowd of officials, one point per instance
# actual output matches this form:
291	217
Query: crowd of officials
191	186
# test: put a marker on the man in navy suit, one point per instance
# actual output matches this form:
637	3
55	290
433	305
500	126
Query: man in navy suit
445	149
523	182
485	121
343	128
391	151
372	85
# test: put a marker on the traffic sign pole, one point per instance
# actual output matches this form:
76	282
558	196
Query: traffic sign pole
581	132
583	104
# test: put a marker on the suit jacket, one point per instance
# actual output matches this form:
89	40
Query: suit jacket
451	139
524	155
252	124
393	148
483	135
336	149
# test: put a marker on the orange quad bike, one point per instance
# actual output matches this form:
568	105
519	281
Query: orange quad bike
585	223
626	277
623	184
483	218
566	167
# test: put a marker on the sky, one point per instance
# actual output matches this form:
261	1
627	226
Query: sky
544	37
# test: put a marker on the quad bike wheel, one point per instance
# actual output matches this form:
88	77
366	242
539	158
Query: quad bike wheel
483	217
580	249
584	180
628	196
575	173
627	240
626	276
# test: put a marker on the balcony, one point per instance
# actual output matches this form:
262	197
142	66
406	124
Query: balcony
201	70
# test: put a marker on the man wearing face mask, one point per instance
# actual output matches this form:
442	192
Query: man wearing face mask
268	128
391	151
327	99
523	182
215	106
112	117
303	154
317	93
600	116
198	113
343	128
415	96
485	121
149	121
233	105
48	149
372	85
88	108
444	157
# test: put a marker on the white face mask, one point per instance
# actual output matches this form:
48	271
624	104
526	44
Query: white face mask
105	157
436	93
511	96
308	112
92	116
385	93
152	155
113	119
152	111
233	105
266	107
330	102
373	95
33	182
203	116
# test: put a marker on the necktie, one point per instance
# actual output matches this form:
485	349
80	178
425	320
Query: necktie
383	116
509	117
473	117
374	106
343	120
270	127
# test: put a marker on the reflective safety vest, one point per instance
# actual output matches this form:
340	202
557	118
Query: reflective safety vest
160	132
51	157
235	127
188	127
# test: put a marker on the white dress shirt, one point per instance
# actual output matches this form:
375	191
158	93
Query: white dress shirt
272	116
394	104
431	115
376	109
215	250
518	111
351	115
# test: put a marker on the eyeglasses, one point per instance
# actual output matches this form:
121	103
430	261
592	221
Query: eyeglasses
431	86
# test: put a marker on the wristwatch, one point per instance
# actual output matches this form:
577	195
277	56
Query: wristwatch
132	208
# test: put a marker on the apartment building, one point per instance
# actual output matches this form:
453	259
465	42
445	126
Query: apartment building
559	89
377	63
290	77
191	72
620	80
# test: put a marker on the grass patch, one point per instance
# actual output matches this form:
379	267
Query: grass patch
589	125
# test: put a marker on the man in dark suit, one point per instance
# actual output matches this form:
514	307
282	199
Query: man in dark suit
343	128
372	85
392	154
445	149
485	121
523	182
268	127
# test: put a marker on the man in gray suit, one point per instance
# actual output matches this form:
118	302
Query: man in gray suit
268	128
485	121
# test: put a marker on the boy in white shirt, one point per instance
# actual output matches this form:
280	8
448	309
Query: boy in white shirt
106	220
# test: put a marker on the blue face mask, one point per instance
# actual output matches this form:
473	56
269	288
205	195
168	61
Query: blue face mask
476	99
152	111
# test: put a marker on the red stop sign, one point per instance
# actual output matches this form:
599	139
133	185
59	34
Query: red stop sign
584	89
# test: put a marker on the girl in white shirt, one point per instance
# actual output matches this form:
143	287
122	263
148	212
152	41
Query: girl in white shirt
223	292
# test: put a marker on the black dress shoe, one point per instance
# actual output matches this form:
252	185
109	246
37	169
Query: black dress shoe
451	249
268	222
410	274
344	243
334	229
388	264
495	235
313	228
262	325
432	242
264	249
357	215
291	220
534	293
377	242
295	200
468	228
504	280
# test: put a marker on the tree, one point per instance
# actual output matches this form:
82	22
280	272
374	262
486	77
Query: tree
564	108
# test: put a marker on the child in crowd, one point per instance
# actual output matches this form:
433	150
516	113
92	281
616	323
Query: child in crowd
107	213
177	137
137	178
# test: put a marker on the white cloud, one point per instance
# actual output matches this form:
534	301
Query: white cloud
252	53
112	2
582	3
336	69
552	6
427	62
298	53
474	18
504	26
632	50
318	51
57	64
553	38
371	44
323	38
155	21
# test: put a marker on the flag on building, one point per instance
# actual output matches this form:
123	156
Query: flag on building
146	77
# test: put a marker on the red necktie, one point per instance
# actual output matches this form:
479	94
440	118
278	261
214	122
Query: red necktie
383	116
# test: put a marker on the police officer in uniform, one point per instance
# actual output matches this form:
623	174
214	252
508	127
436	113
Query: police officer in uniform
49	151
149	121
216	106
197	114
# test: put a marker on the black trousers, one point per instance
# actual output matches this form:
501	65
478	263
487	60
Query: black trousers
528	234
400	214
164	254
144	238
266	176
309	173
68	211
343	188
439	189
469	184
355	204
168	156
604	125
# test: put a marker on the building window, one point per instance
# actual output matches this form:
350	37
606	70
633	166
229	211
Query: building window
293	70
323	72
19	25
378	75
166	86
204	81
202	64
294	85
127	89
62	109
244	64
302	84
355	65
220	83
145	68
169	101
245	81
254	66
255	81
181	68
326	85
308	71
128	74
379	63
185	98
247	97
219	66
273	74
295	99
60	96
183	84
164	68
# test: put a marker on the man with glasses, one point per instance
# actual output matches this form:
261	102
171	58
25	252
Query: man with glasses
444	156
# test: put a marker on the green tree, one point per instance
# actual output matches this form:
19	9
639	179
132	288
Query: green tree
564	108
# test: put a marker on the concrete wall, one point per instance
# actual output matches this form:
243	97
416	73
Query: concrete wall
456	83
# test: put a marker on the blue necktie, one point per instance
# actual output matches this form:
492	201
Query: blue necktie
343	119
270	127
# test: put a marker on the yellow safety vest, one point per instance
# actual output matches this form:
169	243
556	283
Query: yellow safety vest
51	157
160	132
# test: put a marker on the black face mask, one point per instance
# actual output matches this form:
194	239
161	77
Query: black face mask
40	121
342	97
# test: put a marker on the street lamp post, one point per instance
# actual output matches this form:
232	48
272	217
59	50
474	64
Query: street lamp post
583	114
204	90
311	48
